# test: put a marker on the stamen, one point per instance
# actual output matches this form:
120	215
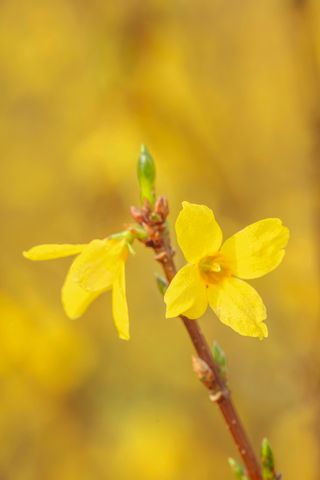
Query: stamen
216	267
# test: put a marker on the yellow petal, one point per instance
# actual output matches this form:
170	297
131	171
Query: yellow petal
199	307
257	249
119	305
239	306
75	299
198	233
186	294
51	251
99	263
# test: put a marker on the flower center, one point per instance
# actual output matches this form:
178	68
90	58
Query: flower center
214	268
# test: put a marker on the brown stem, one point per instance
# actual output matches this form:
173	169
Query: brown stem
159	240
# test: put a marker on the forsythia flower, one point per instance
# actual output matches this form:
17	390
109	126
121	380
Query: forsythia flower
99	266
212	275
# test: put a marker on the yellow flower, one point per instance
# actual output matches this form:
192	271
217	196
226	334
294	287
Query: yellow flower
98	267
213	272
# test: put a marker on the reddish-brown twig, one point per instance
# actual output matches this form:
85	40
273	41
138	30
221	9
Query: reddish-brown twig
154	223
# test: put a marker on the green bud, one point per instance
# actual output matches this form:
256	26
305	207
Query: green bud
221	359
146	176
161	283
237	469
267	460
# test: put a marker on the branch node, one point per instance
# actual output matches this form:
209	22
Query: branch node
161	257
216	396
212	374
203	372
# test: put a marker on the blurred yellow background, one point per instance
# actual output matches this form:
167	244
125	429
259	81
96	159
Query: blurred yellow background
226	94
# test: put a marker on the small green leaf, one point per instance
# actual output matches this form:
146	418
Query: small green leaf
146	176
161	283
267	460
237	469
221	360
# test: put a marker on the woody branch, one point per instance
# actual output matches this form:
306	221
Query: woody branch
153	220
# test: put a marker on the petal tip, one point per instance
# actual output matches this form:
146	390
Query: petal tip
169	314
263	331
124	336
30	254
287	234
69	312
263	335
172	311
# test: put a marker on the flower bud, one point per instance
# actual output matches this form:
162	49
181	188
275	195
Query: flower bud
146	176
267	461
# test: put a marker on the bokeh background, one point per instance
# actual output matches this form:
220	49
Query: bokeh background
226	95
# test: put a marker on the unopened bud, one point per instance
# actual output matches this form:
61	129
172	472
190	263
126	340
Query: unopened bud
162	207
267	461
146	176
137	214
